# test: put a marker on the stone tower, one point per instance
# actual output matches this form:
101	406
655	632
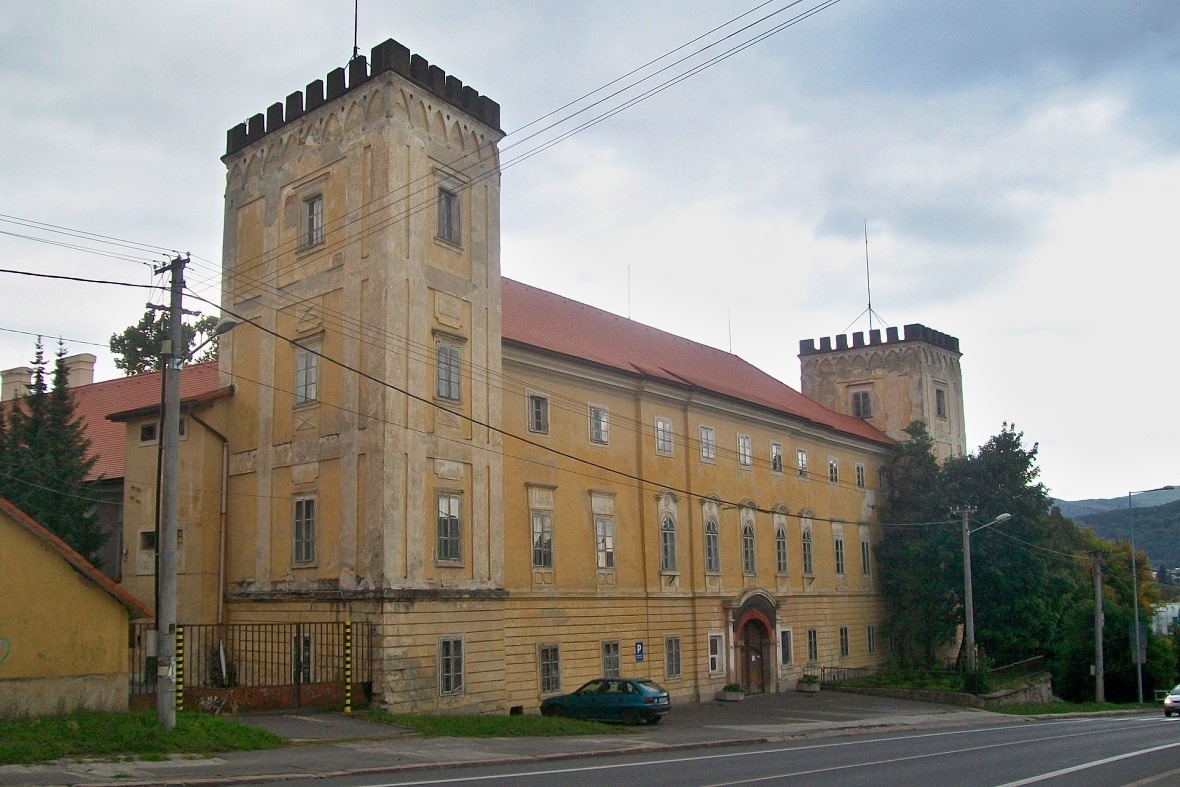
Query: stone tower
891	383
362	239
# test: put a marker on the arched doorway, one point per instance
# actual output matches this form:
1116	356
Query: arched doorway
754	646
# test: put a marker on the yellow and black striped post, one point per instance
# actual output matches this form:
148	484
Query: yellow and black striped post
180	668
348	667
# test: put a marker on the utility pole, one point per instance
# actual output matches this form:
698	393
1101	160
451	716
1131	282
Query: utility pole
968	602
172	355
1099	691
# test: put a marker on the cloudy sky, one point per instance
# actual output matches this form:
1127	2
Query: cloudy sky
1017	165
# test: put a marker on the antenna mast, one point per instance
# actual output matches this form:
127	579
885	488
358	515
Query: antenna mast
868	281
356	11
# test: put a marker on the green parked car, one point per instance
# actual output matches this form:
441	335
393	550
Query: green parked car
628	700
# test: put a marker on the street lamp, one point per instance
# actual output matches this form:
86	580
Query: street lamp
968	602
1135	586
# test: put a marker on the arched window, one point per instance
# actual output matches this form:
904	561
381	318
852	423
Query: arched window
748	562
668	543
780	548
712	547
807	550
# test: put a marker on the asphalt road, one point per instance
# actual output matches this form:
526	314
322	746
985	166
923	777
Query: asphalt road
1136	750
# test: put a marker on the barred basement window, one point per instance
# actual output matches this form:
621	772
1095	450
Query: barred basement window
844	642
812	645
784	647
716	654
450	665
672	657
550	662
612	664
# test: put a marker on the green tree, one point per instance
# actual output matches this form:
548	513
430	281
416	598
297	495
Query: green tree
137	348
44	458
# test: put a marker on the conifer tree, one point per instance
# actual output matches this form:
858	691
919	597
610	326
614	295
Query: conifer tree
44	459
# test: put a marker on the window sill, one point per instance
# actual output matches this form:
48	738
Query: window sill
308	248
449	564
450	245
304	566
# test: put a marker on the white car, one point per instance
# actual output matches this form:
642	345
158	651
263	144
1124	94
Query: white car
1172	702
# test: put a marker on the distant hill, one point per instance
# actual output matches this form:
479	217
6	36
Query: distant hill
1157	529
1074	509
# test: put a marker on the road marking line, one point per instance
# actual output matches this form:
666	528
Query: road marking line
1087	765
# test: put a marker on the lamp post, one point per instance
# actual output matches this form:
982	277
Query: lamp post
1135	586
968	601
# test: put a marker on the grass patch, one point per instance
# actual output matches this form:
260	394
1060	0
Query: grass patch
1069	707
110	735
929	680
490	726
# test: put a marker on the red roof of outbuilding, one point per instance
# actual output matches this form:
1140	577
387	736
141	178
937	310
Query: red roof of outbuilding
547	321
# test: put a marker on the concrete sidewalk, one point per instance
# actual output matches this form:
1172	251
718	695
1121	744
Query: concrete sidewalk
331	744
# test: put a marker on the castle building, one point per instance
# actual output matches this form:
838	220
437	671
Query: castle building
912	377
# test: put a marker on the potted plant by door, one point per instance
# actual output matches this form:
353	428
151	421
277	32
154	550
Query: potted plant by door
731	692
808	682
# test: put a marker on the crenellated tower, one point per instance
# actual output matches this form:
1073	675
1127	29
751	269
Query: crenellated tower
915	376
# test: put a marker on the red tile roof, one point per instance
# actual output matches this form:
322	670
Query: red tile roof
98	400
137	608
546	321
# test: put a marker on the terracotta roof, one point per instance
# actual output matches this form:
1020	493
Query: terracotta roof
83	566
140	391
546	321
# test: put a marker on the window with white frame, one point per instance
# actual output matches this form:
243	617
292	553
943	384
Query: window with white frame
449	227
712	547
862	406
307	374
780	548
148	431
844	649
549	659
716	654
538	414
612	664
785	647
801	462
304	530
708	444
749	563
839	552
833	471
672	657
604	542
871	639
599	425
667	543
807	563
860	475
812	645
450	665
776	457
448	371
663	435
542	522
313	220
745	450
450	537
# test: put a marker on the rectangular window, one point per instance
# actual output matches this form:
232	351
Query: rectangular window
861	406
940	402
833	471
708	443
538	414
450	665
604	542
671	657
449	373
147	541
313	220
301	658
304	530
716	654
776	457
840	557
550	662
784	647
812	645
745	451
801	462
147	432
448	216
612	664
663	436
542	539
871	637
860	475
599	425
843	642
865	558
307	374
449	528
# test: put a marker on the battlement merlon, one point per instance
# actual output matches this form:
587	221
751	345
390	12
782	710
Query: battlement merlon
914	332
389	55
